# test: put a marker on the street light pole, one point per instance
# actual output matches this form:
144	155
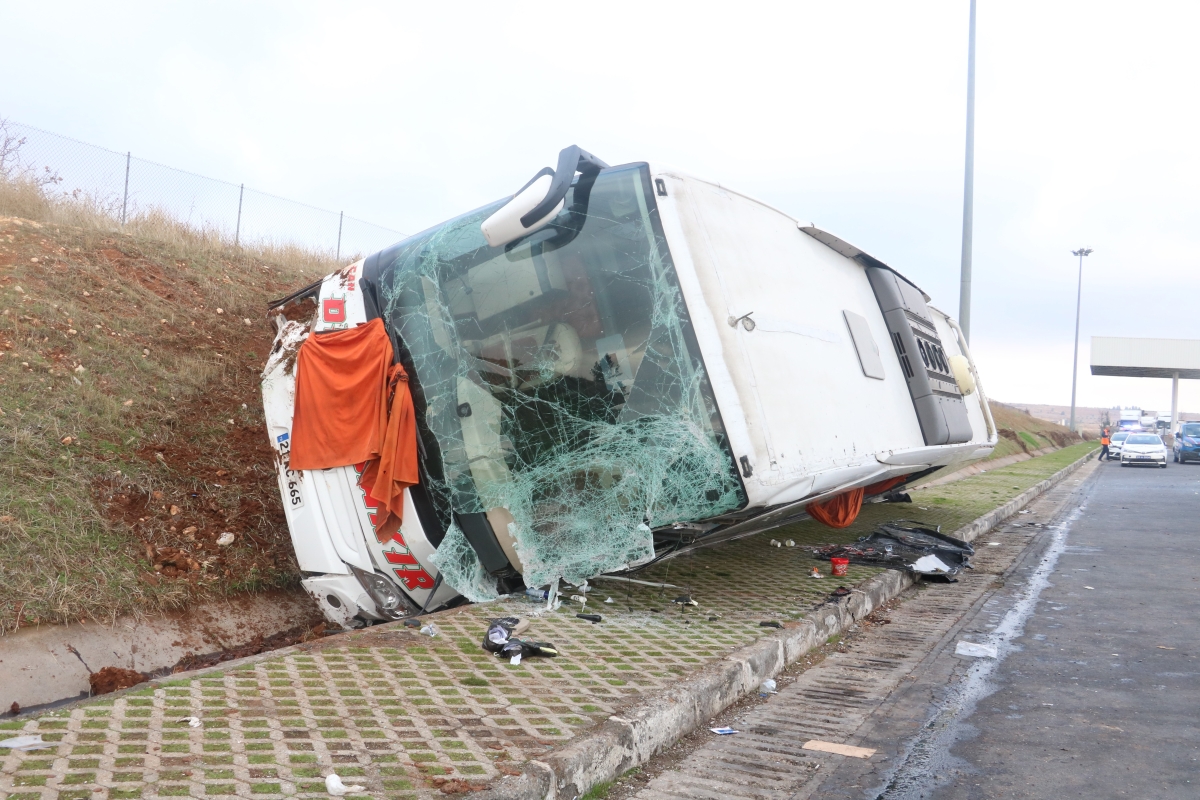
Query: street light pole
1081	252
964	285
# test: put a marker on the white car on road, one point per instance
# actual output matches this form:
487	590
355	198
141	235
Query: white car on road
1114	447
1144	448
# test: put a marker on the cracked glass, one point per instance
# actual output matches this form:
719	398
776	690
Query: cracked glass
559	388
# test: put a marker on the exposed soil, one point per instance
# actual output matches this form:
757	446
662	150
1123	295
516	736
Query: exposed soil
302	311
259	644
456	785
203	495
111	679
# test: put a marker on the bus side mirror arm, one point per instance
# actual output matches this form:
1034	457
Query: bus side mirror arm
539	200
570	160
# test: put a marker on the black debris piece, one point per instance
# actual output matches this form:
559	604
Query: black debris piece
900	545
500	631
589	617
896	497
770	624
685	600
526	649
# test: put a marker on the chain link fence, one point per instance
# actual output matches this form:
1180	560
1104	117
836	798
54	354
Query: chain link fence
125	186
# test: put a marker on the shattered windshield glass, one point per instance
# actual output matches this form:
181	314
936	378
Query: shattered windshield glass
563	393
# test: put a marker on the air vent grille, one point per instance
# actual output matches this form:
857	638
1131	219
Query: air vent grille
899	343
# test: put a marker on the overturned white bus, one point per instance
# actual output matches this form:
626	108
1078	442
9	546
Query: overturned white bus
616	365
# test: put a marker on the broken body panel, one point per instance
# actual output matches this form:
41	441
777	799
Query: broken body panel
634	379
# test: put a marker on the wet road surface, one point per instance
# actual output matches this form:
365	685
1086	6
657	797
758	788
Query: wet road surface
1099	693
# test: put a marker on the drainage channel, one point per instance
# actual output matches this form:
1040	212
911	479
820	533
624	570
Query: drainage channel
835	700
44	667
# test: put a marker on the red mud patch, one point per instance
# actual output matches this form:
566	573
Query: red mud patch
111	679
258	644
301	311
456	785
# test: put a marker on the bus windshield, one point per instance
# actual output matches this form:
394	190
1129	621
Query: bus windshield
559	386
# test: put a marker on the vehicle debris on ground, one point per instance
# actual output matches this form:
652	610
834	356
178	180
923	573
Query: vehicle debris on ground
26	743
905	545
839	749
975	650
335	786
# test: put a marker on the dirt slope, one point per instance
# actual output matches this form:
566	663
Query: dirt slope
1023	433
131	430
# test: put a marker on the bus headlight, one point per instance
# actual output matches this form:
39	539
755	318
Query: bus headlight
386	595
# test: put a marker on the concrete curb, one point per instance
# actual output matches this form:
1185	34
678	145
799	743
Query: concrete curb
610	749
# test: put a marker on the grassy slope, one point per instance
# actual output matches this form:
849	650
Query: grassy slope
125	396
1021	433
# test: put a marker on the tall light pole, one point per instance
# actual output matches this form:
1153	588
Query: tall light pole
964	286
1081	252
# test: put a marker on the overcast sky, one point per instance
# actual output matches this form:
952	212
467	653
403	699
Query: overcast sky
848	114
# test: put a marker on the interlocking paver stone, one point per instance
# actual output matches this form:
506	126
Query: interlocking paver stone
397	712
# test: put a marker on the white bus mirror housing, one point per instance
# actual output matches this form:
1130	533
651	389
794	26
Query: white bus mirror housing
540	200
505	225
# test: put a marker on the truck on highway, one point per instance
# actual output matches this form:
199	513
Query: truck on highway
1129	418
613	366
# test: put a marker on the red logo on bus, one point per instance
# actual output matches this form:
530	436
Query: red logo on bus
333	310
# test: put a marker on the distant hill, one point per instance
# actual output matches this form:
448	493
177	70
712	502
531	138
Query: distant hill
1022	432
1085	416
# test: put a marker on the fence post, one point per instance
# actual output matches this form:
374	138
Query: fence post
125	201
237	232
338	257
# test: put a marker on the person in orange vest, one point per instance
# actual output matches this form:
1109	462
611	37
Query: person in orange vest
1104	443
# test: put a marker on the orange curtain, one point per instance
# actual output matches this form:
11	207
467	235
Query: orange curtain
396	468
837	512
354	405
841	511
883	486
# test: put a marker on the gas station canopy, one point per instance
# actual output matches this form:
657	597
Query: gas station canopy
1146	358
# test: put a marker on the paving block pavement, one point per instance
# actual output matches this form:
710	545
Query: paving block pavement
407	716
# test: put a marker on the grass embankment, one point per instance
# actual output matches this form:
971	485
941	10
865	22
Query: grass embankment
1022	433
131	429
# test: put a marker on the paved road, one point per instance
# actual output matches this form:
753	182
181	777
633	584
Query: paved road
1101	695
1098	690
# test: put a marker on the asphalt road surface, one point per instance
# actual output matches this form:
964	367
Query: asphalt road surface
1097	691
